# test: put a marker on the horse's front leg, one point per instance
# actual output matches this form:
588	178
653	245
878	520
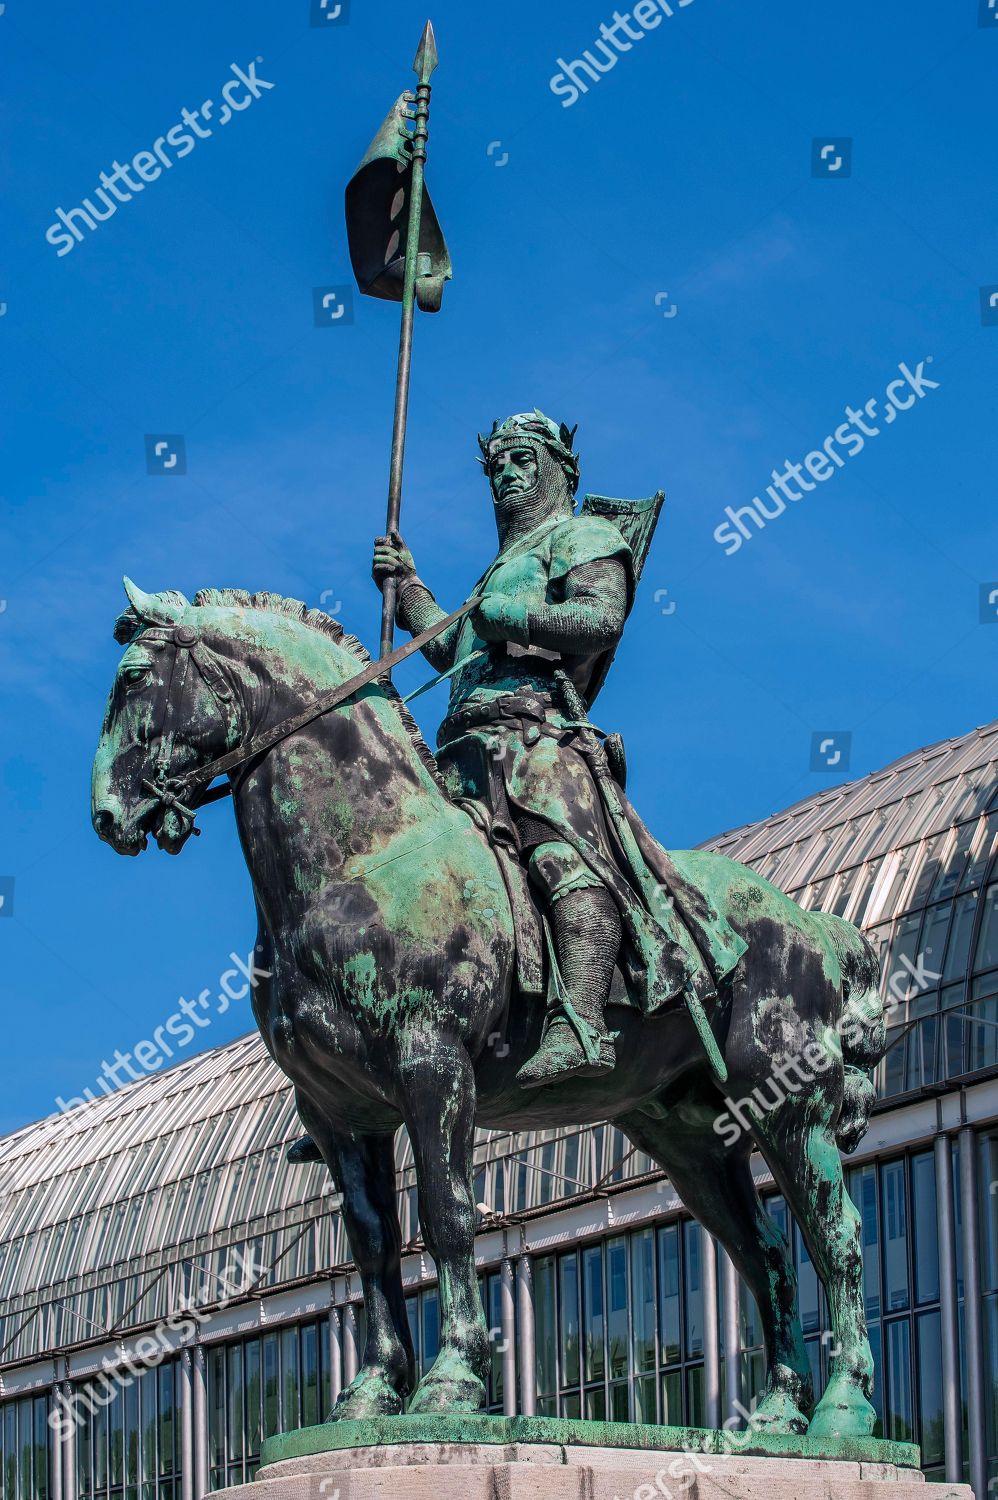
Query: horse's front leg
439	1107
363	1169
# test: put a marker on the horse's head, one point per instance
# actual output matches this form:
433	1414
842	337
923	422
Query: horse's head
171	709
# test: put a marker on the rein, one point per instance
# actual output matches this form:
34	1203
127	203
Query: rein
187	793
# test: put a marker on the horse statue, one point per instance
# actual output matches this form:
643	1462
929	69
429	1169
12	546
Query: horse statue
387	945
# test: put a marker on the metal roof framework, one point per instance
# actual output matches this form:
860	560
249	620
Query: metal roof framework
117	1212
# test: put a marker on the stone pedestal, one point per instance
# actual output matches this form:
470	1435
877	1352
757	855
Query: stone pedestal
521	1458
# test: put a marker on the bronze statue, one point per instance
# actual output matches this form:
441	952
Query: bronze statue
399	946
493	935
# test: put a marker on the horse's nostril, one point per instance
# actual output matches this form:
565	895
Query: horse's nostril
103	822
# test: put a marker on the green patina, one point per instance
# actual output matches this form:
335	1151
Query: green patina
386	1432
388	909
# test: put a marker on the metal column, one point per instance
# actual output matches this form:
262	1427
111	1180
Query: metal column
711	1335
525	1309
507	1307
199	1413
351	1356
731	1343
186	1426
335	1355
949	1310
58	1435
973	1330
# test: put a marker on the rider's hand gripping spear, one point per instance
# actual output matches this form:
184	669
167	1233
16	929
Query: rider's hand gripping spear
398	253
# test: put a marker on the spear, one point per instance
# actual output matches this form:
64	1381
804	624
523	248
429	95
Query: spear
387	184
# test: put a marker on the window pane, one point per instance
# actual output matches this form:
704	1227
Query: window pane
958	948
930	1390
991	1371
592	1274
670	1332
545	1327
644	1399
694	1397
131	1421
863	1192
116	1438
568	1318
251	1377
617	1319
987	1177
810	1311
899	1403
41	1466
925	1228
310	1376
84	1456
693	1288
167	1380
986	956
596	1405
620	1404
271	1403
895	1236
430	1314
235	1402
933	942
216	1407
290	1418
147	1402
672	1399
643	1300
100	1446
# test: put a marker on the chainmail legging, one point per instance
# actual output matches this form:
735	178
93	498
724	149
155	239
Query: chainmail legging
587	931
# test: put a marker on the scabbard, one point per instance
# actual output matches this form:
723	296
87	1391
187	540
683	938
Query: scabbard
592	748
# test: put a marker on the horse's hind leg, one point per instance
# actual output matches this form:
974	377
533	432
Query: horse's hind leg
715	1182
363	1169
803	1155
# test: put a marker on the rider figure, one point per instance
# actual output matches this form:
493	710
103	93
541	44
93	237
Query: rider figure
555	599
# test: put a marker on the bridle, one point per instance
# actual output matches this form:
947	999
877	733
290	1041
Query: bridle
188	792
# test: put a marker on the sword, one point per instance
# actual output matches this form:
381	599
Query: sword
596	755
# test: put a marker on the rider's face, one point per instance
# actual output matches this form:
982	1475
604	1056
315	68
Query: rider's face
513	472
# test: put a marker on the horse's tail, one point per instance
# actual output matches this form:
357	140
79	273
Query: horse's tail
862	1027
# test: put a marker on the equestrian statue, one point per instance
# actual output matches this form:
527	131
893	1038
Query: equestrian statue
492	936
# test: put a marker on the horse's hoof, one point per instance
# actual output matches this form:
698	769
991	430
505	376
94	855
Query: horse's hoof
778	1412
845	1415
371	1394
451	1385
437	1396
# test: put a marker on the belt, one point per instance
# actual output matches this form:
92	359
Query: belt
507	706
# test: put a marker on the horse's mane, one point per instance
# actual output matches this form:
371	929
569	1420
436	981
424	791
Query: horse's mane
316	619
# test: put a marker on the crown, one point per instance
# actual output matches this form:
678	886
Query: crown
535	428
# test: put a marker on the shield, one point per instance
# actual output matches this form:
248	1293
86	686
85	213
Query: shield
636	521
377	214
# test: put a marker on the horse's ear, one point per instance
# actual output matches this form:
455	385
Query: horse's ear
155	609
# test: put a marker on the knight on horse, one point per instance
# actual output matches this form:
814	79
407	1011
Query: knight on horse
517	749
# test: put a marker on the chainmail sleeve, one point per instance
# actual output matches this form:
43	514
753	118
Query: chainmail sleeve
416	610
591	619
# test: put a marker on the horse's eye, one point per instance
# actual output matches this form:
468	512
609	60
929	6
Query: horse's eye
135	676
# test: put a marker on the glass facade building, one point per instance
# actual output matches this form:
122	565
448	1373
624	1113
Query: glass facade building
172	1290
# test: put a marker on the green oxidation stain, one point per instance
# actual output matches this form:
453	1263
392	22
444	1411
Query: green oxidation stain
385	1432
383	1011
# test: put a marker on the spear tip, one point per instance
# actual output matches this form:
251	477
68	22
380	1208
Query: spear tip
426	58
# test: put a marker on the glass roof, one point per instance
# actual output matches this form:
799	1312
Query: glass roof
111	1213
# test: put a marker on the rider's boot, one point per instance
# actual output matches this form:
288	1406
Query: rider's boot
576	1043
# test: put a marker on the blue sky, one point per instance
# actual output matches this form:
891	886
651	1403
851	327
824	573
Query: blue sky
655	262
